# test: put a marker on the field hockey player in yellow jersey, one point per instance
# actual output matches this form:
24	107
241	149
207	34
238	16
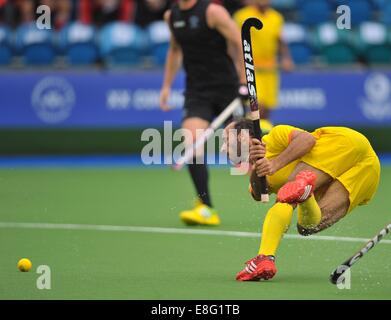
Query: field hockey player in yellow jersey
324	174
268	45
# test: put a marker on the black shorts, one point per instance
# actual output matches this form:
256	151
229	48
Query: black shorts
208	104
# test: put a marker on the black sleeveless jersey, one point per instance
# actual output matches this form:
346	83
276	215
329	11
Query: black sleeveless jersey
205	57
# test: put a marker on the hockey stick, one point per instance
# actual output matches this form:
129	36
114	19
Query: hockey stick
340	270
216	123
251	85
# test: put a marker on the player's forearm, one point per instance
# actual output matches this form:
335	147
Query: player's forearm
237	56
284	50
298	147
173	64
218	18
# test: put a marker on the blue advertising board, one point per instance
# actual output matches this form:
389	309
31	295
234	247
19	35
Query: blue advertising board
131	99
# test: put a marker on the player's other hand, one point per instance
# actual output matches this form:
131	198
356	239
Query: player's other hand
257	150
164	96
264	167
287	64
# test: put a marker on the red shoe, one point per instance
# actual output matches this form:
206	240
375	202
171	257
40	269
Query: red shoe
259	268
299	190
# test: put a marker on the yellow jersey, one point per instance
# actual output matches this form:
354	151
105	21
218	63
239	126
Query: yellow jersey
343	153
266	41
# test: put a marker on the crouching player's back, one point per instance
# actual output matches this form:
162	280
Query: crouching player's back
324	174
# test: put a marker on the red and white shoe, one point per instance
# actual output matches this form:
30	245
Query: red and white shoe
299	190
259	268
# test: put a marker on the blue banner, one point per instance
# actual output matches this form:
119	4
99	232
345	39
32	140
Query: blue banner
131	99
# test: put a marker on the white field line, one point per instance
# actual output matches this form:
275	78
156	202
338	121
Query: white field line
238	234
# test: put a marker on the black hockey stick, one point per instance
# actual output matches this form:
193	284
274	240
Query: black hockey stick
252	88
340	270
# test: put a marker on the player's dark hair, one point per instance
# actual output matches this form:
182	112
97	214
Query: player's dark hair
245	124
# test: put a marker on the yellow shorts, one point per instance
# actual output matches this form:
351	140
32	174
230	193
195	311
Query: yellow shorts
268	85
347	156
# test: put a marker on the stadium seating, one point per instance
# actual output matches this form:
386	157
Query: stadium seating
159	37
296	37
5	46
379	4
385	14
361	11
314	12
122	44
35	45
77	42
335	46
284	5
310	32
373	43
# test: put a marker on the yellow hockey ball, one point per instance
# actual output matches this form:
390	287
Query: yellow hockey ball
24	265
